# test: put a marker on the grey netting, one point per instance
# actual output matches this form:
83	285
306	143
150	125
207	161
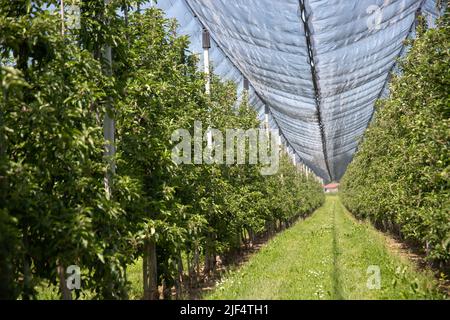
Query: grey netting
318	66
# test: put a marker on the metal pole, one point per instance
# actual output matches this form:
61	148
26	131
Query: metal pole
246	89
266	124
62	18
246	85
108	124
206	47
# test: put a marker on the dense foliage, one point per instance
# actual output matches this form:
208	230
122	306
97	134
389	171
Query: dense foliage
55	210
400	176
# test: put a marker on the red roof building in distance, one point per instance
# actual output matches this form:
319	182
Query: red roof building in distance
331	187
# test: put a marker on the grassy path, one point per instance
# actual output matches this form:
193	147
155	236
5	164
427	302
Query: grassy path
328	256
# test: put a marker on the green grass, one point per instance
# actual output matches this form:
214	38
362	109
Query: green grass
327	256
135	277
323	257
48	291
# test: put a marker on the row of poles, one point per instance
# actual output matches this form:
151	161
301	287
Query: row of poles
109	124
206	39
108	121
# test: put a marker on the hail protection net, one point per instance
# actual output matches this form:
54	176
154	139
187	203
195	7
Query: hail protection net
317	67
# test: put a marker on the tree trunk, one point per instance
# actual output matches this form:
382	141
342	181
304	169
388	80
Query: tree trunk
196	264
65	291
251	237
245	240
210	255
190	269
125	276
178	264
27	288
214	261
238	241
166	290
3	156
150	274
207	269
27	293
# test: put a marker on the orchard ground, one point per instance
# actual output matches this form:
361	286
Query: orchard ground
328	256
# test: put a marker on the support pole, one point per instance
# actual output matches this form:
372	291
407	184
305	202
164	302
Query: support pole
246	89
266	122
246	85
278	139
108	124
62	18
206	47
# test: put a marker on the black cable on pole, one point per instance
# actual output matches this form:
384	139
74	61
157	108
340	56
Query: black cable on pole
246	84
206	39
317	95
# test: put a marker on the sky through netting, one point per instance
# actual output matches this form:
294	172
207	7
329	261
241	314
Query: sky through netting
316	66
